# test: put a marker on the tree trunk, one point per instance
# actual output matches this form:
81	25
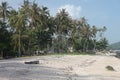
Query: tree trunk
19	51
84	46
94	43
2	54
58	45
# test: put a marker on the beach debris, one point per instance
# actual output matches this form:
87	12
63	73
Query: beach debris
32	62
110	68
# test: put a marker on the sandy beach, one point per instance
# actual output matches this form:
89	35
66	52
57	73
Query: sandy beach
61	67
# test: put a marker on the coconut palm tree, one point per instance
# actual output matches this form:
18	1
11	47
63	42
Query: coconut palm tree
63	24
17	21
94	33
43	28
4	11
44	16
26	6
85	33
34	15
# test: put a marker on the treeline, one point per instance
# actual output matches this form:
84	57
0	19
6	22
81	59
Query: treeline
32	29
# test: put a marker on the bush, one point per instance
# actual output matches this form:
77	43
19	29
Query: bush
11	54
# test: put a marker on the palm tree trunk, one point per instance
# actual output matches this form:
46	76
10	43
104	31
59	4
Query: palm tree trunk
2	54
86	49
58	44
84	46
94	43
19	51
87	44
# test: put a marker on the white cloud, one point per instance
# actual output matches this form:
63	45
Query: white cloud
74	11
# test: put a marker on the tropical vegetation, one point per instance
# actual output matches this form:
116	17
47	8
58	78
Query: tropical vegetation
32	30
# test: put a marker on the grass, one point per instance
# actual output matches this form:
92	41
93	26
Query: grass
57	54
74	53
61	54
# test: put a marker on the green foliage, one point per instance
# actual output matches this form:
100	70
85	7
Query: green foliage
31	29
5	40
102	44
42	39
78	44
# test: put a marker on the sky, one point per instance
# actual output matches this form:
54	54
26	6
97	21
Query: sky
97	12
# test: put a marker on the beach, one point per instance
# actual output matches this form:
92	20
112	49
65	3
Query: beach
61	67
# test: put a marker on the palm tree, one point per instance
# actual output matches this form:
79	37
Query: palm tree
76	35
28	11
44	17
38	19
63	24
34	15
17	20
43	28
94	33
85	33
26	6
102	30
4	11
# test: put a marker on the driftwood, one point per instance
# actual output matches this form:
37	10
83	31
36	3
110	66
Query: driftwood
32	62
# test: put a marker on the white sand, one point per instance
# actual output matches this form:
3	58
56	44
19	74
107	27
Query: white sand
67	67
84	64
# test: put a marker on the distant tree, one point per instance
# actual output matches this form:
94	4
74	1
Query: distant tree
102	44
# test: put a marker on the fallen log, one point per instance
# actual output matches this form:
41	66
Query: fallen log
32	62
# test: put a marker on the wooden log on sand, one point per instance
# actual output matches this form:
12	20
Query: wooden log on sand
32	62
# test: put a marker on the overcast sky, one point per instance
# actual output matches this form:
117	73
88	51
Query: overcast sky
97	12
